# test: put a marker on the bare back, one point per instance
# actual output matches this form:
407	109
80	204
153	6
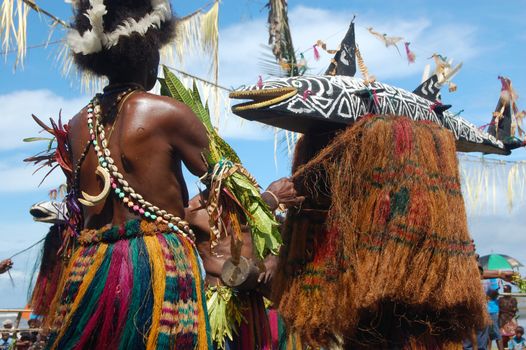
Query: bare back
152	136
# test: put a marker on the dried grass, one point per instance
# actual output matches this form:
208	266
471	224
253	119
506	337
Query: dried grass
394	259
13	27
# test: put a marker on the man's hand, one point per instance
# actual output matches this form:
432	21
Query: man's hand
271	264
5	265
283	192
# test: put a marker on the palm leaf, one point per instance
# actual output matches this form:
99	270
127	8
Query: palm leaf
239	187
177	89
202	113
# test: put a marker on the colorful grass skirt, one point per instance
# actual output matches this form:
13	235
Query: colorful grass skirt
135	286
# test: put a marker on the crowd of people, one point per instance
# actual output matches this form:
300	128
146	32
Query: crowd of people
502	309
30	339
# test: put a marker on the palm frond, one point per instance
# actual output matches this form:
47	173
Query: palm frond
13	27
210	28
233	191
196	33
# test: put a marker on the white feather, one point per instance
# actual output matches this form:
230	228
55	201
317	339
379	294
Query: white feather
87	43
95	39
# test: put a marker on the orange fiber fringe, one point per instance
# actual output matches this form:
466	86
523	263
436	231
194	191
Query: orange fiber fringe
393	258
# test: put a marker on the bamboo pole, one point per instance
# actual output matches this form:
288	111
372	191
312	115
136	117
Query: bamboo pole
3	311
517	295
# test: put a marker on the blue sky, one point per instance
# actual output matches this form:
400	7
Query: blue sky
489	38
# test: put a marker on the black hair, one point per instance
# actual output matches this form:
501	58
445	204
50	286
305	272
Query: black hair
25	336
131	51
520	329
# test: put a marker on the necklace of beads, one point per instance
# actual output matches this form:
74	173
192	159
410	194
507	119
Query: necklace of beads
126	194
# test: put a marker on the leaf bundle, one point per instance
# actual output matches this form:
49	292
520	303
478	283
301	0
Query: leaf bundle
232	189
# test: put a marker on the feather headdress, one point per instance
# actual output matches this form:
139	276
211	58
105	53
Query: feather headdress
95	39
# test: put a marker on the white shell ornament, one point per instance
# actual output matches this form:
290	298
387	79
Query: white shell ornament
89	200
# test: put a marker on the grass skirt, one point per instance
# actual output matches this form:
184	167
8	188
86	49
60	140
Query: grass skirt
136	286
393	261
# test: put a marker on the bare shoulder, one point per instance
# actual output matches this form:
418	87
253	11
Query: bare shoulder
78	119
161	109
175	119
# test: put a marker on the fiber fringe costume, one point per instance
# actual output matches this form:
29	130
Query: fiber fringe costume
134	286
388	257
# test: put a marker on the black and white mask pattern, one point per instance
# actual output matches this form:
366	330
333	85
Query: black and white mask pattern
344	99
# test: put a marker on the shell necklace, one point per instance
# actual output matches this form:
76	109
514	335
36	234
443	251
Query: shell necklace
114	180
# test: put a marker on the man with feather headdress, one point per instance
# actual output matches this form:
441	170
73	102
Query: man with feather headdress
133	278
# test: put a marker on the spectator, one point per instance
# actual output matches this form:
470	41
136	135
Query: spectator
33	323
517	342
493	310
6	342
7	324
7	337
24	342
507	311
482	336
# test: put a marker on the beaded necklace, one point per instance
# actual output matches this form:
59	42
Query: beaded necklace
120	187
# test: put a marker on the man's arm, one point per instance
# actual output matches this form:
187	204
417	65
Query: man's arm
187	136
505	275
5	265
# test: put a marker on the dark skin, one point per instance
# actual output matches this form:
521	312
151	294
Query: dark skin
214	260
152	137
5	265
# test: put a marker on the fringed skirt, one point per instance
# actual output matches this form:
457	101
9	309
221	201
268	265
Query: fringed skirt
393	261
135	286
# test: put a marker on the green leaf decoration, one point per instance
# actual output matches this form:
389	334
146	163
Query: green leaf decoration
264	228
177	89
224	314
202	111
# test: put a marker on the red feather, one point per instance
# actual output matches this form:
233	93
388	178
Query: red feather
54	157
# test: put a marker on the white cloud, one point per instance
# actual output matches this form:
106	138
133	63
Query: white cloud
14	286
20	178
240	44
240	53
16	109
241	47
